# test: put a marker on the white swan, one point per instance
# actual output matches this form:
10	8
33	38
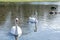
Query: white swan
16	30
32	20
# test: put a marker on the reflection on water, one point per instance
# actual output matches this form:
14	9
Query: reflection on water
46	24
5	27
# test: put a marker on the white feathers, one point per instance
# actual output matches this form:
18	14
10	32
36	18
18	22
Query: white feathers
16	30
17	19
32	20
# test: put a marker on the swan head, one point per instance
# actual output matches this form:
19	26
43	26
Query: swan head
17	19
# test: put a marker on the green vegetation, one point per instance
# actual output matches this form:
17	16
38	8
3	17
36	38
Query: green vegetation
25	0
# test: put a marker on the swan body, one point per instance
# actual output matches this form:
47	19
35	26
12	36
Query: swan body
16	30
32	20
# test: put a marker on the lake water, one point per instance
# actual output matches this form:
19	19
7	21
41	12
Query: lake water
48	26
